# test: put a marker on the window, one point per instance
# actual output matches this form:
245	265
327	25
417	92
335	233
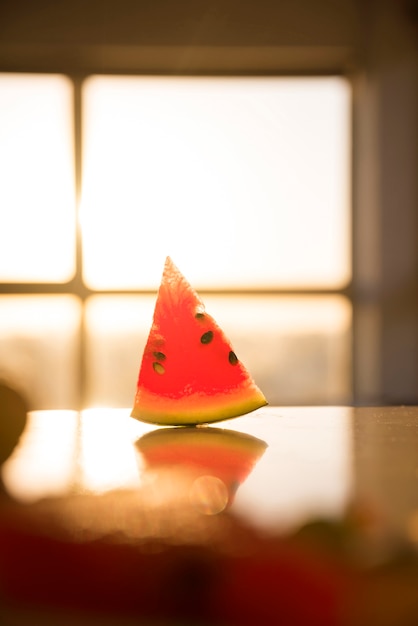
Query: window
244	181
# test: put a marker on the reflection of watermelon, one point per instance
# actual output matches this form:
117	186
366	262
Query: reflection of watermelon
189	372
226	455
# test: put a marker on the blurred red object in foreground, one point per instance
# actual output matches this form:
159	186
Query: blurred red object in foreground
214	571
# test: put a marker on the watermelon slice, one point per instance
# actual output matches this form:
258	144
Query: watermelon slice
190	373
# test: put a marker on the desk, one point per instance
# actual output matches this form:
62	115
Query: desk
329	491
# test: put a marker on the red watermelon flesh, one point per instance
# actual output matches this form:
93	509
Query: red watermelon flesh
190	373
227	455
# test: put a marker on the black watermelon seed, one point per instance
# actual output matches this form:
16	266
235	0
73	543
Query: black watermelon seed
232	357
207	337
160	356
199	316
158	368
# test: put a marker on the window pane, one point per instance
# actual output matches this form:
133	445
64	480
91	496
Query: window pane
117	330
37	207
298	349
39	348
243	181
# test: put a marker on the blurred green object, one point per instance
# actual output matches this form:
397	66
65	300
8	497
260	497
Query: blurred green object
13	412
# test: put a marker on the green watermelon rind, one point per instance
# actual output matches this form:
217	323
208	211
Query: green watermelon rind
196	408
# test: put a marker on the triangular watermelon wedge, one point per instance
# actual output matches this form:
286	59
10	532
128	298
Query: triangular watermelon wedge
190	373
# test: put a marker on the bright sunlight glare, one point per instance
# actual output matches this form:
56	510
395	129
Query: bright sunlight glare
37	197
107	457
43	463
64	451
243	181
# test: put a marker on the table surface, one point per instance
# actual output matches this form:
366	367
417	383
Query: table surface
292	464
326	494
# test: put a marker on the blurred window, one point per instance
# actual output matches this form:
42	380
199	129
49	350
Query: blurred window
244	181
37	196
